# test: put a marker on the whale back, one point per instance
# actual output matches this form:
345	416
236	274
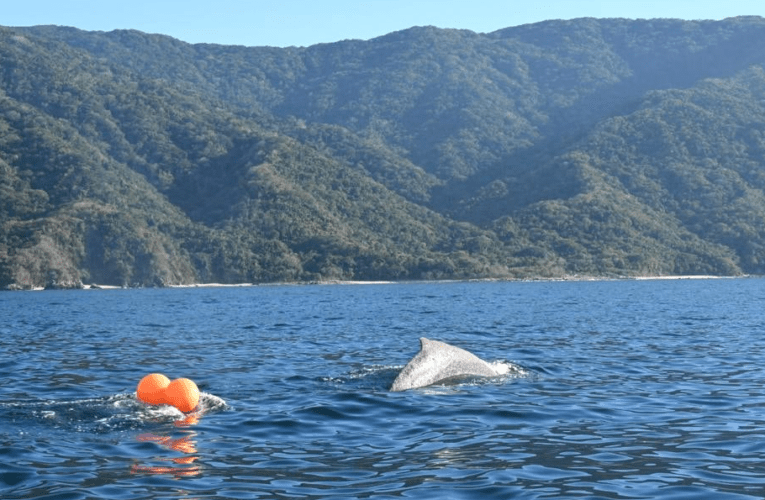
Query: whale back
438	361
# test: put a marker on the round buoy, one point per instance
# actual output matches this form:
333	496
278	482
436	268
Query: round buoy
151	389
183	394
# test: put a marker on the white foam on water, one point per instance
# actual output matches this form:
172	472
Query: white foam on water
207	402
507	368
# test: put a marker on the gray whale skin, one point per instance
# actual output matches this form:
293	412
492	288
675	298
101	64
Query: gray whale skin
438	361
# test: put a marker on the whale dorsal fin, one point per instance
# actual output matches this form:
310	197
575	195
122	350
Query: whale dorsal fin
439	361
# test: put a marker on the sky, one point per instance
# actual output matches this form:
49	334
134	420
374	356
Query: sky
283	23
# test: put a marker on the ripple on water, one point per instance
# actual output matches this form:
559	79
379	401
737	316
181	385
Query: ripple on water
628	390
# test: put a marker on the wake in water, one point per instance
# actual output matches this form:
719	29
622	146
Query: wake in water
97	415
176	451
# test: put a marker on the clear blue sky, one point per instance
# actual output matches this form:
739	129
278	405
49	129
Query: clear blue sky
306	22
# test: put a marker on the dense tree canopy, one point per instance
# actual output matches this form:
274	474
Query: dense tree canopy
586	147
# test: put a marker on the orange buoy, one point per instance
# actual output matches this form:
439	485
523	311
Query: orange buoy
156	389
151	389
183	394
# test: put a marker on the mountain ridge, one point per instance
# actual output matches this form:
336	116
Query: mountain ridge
596	147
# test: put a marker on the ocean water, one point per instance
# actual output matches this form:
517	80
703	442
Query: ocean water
627	389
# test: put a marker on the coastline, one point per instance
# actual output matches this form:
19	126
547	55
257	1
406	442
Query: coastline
95	286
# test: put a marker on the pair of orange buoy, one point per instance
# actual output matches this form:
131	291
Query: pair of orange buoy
156	389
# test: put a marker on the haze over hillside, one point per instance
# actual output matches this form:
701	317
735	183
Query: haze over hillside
588	147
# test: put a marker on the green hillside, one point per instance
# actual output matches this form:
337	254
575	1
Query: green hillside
586	147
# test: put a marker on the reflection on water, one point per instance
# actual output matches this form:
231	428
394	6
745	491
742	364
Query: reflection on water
185	444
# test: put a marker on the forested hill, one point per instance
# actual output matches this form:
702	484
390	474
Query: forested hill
588	147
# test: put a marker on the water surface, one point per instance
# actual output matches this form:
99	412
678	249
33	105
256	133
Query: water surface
634	389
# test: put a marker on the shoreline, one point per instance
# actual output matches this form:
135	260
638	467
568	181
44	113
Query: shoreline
575	278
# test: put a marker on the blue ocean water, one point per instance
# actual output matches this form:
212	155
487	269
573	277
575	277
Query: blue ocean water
632	389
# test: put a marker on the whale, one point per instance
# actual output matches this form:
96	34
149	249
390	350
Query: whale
437	362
